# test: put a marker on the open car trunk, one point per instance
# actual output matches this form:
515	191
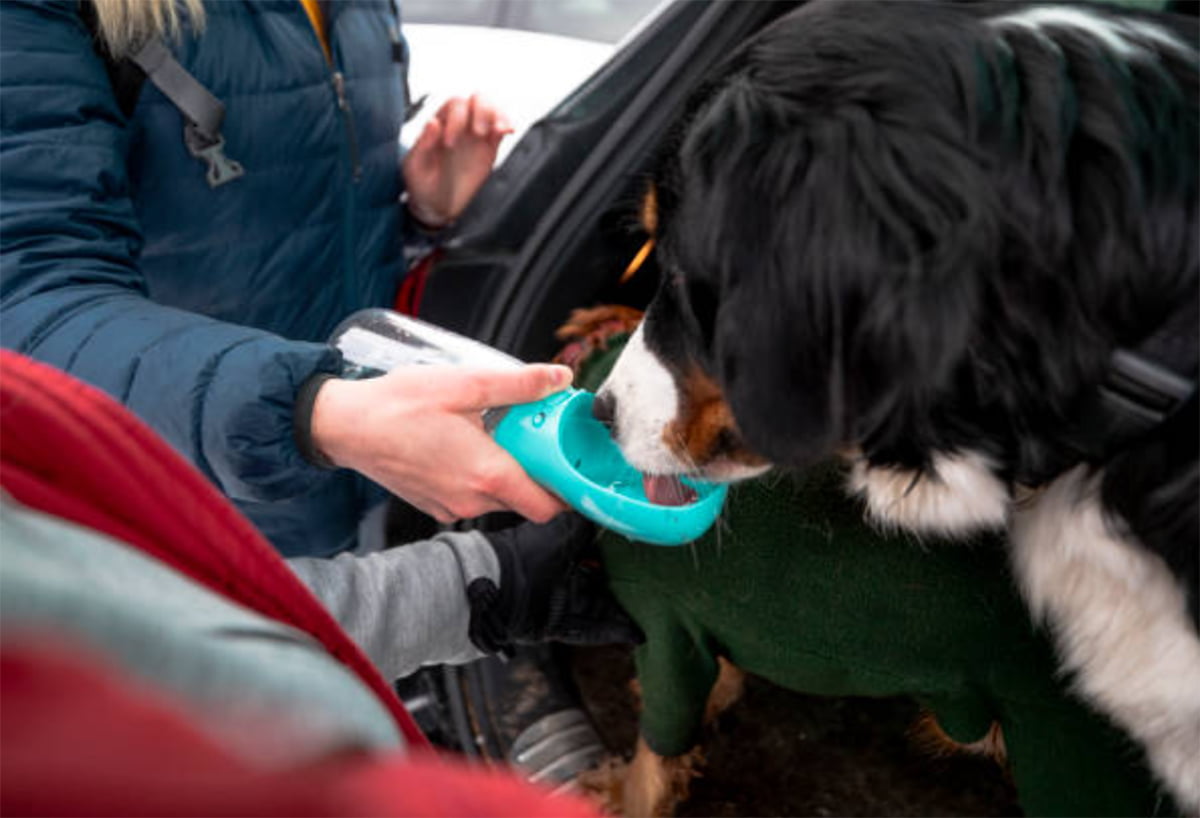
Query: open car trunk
556	224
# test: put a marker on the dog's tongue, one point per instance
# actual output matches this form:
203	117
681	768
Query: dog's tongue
667	490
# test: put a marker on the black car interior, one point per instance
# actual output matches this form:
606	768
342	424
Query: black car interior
556	225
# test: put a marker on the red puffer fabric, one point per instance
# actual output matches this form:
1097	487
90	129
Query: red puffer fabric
68	450
80	739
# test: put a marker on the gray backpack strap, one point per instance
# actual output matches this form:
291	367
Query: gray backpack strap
202	112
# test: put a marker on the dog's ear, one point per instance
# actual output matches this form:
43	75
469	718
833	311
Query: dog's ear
844	233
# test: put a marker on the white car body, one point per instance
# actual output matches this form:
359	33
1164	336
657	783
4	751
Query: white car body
523	73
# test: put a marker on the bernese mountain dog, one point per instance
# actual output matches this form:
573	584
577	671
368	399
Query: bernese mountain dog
957	245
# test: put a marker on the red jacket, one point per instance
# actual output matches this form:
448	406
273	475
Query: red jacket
79	737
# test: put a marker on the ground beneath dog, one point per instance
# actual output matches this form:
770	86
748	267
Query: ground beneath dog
776	752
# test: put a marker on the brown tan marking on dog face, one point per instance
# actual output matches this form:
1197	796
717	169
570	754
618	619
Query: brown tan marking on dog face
705	433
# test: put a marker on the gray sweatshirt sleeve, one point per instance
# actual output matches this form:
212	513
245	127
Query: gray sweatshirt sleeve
406	606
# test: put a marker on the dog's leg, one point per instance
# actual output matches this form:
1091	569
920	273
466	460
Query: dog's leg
651	784
1120	622
731	682
655	785
930	739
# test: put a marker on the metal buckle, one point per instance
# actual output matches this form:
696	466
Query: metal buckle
221	169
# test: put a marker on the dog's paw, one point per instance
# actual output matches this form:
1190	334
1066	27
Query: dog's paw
928	737
655	785
588	330
603	784
728	689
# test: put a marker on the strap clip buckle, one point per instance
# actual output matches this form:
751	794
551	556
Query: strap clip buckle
221	169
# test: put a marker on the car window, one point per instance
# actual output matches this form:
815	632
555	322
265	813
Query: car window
524	56
605	21
452	12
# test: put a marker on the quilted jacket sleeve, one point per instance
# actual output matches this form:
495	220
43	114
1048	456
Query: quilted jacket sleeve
71	293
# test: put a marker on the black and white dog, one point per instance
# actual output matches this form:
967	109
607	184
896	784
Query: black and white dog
958	245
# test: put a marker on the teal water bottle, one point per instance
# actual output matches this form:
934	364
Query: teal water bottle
556	440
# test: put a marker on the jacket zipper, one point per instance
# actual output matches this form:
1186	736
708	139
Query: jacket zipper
350	284
339	88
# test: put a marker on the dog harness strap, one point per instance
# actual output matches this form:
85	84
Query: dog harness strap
1142	392
1144	386
202	112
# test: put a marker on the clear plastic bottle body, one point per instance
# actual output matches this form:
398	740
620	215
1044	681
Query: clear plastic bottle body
375	341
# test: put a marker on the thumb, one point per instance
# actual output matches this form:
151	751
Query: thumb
484	389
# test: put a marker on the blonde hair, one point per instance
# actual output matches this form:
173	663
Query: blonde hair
124	25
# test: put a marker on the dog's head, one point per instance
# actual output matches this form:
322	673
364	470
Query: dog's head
871	228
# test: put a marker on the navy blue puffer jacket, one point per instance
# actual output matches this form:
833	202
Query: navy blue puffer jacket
203	309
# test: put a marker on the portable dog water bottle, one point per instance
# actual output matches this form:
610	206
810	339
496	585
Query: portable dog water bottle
556	439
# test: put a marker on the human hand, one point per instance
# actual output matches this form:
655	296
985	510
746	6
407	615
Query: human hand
451	158
552	588
418	432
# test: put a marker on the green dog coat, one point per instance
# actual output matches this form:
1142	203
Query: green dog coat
792	585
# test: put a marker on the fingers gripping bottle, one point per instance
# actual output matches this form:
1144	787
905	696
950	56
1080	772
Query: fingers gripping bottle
556	440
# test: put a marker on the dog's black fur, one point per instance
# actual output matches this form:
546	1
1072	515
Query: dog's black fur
909	229
884	224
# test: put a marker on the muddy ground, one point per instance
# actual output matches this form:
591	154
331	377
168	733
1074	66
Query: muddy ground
780	753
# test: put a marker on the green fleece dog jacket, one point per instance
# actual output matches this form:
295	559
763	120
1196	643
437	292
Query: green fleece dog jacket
794	586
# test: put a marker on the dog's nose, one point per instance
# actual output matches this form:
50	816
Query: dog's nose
604	409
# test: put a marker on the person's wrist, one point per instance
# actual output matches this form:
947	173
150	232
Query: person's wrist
424	217
327	429
302	419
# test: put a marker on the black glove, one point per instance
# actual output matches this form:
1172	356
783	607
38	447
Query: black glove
552	588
